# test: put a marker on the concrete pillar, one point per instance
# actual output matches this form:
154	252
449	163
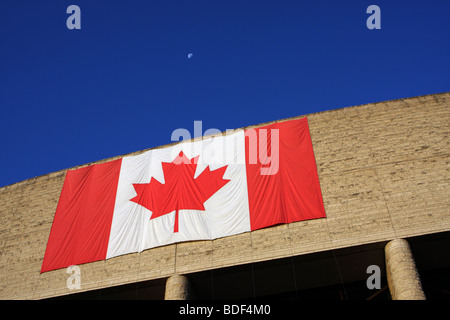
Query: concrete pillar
178	288
403	279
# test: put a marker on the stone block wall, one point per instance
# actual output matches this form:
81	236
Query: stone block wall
384	174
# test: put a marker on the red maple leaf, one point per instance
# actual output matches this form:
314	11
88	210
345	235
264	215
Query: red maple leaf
180	190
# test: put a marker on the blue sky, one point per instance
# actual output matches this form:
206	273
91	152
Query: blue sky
124	81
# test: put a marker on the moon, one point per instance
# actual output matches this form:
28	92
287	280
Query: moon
190	55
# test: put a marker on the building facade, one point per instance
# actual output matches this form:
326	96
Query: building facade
384	174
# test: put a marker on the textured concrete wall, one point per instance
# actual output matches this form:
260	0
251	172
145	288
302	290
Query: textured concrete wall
384	174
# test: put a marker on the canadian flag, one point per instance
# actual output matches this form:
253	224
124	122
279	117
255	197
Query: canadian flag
206	189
